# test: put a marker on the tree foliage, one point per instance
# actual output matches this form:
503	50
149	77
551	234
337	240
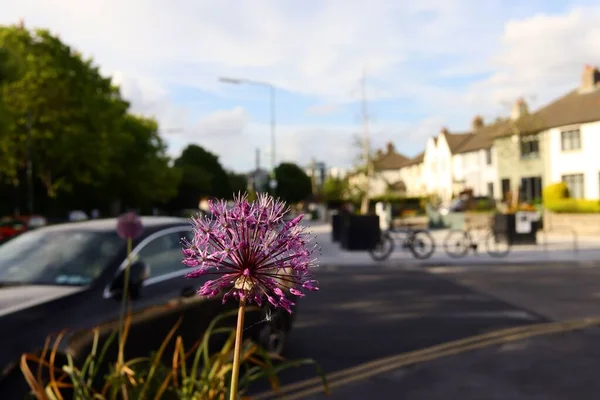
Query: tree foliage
61	100
335	189
56	106
293	184
237	182
88	150
202	176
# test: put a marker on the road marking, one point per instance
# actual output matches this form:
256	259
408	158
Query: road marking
314	386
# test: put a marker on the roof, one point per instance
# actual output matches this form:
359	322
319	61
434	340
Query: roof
390	160
483	137
456	140
418	159
573	108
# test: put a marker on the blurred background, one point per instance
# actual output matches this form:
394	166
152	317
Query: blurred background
444	155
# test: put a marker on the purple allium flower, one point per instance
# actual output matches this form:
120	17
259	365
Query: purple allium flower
129	226
252	251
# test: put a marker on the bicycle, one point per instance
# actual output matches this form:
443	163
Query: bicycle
418	241
458	242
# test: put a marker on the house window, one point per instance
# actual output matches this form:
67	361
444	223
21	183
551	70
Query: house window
490	189
531	189
530	146
488	156
505	188
575	184
570	140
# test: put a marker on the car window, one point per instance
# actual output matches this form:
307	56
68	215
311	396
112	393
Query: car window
163	254
67	257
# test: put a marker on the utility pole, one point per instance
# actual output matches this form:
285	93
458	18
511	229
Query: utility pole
29	166
364	205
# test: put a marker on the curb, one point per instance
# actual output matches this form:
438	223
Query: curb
367	370
511	263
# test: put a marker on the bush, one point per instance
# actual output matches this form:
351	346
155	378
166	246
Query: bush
556	191
575	206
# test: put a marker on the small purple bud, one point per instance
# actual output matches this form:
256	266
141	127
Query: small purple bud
296	292
129	226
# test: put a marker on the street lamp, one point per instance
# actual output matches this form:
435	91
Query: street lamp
239	81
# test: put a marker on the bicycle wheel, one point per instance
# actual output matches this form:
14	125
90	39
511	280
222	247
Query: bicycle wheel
383	248
457	243
422	244
497	244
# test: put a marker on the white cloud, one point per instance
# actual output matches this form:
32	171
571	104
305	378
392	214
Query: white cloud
323	109
541	57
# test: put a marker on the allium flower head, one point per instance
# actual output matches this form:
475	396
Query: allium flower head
252	252
129	226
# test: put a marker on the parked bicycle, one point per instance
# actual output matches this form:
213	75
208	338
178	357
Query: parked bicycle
418	241
458	242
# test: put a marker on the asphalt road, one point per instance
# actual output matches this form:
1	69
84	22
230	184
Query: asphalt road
365	313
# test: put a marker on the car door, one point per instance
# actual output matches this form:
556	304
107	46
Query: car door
167	296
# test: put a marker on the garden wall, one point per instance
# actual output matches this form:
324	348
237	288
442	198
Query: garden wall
582	224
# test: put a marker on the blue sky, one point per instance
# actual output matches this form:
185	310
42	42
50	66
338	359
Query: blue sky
429	64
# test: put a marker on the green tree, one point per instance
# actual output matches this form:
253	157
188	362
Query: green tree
74	111
201	175
335	189
293	184
237	182
139	173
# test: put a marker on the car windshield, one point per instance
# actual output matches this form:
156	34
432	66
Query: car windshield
57	257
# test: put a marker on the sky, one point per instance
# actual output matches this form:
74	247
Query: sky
427	65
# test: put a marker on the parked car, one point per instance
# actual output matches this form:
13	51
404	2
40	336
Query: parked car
13	226
70	276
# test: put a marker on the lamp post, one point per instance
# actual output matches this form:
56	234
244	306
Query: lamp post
239	81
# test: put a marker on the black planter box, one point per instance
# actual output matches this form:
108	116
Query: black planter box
359	232
336	227
507	224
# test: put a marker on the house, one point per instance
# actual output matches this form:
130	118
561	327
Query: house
556	143
411	174
438	172
387	177
475	162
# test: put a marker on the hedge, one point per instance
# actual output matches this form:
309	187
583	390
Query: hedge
573	206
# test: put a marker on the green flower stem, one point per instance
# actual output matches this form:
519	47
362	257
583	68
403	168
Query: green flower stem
237	350
121	360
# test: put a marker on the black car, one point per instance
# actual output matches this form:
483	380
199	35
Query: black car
69	276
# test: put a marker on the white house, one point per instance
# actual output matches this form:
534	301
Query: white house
411	174
475	163
388	176
438	168
573	137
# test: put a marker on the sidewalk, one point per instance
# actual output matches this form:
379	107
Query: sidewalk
552	248
552	367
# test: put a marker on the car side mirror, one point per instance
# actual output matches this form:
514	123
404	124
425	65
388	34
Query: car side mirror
138	273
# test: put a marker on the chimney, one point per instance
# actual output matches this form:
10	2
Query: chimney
390	147
21	23
257	159
520	109
590	78
444	130
477	122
